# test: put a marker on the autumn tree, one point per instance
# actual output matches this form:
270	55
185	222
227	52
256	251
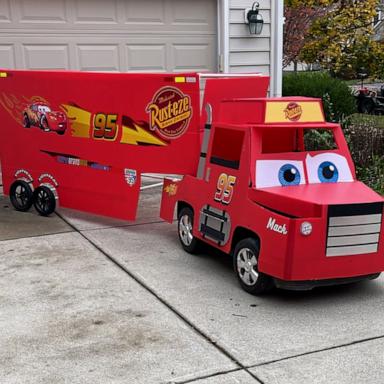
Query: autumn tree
299	17
341	39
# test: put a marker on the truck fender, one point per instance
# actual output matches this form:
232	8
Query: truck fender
241	233
169	199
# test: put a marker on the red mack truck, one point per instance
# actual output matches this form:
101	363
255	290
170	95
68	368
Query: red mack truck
253	180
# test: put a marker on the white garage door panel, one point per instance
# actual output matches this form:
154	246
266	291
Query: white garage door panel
197	16
191	56
7	56
43	11
96	11
119	35
146	57
98	57
46	56
5	11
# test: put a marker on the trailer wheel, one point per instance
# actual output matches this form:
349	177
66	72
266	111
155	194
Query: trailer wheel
44	200
245	262
21	195
185	225
26	122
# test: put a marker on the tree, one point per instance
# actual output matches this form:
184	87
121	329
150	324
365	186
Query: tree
341	39
298	20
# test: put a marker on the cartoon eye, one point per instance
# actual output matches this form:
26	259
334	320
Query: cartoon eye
328	172
289	175
277	173
328	168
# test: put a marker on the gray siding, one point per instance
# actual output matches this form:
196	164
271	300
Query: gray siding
249	53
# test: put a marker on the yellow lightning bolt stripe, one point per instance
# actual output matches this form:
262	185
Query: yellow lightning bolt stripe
79	119
139	135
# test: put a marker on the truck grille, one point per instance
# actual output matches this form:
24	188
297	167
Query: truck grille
353	229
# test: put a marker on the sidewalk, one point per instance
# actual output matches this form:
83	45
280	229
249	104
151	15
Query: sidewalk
86	299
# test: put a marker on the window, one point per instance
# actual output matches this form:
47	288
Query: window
226	147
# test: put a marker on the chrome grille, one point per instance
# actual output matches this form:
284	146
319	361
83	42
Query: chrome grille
353	229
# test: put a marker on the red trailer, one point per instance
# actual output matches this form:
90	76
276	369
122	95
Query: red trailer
251	181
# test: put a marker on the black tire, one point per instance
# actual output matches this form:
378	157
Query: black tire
367	106
185	227
21	195
44	123
26	122
245	263
60	132
44	200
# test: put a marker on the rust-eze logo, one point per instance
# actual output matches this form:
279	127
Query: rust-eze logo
293	112
170	112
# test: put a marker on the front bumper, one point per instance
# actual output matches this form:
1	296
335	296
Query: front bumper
346	242
306	285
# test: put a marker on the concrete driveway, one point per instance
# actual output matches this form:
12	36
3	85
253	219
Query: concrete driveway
86	299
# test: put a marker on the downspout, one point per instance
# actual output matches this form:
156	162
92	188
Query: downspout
277	12
223	34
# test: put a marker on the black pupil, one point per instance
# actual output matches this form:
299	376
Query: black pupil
289	175
328	171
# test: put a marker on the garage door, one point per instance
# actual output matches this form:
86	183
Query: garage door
119	35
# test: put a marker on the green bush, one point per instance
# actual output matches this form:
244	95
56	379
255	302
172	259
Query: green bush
337	98
373	174
365	137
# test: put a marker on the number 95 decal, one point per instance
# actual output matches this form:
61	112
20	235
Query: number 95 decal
224	189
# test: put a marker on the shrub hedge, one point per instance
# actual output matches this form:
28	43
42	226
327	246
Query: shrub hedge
364	133
337	98
365	136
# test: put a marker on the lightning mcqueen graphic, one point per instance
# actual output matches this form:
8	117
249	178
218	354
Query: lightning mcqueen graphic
40	115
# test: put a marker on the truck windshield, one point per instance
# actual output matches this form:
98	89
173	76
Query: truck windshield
319	140
296	156
282	140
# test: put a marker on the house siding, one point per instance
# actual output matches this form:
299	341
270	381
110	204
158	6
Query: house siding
249	53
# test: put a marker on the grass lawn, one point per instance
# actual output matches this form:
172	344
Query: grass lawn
362	119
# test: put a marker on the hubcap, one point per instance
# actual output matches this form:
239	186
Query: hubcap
43	200
247	266
21	195
185	230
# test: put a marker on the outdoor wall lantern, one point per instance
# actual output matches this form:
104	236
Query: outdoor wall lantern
254	19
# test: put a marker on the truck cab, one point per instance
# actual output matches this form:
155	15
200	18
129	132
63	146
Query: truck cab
276	188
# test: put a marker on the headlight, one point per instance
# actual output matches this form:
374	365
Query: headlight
306	228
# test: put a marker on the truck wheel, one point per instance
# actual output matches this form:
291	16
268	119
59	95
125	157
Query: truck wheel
44	200
245	262
26	122
21	195
185	225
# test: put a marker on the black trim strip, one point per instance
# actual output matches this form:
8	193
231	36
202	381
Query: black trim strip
214	214
355	209
234	164
208	231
